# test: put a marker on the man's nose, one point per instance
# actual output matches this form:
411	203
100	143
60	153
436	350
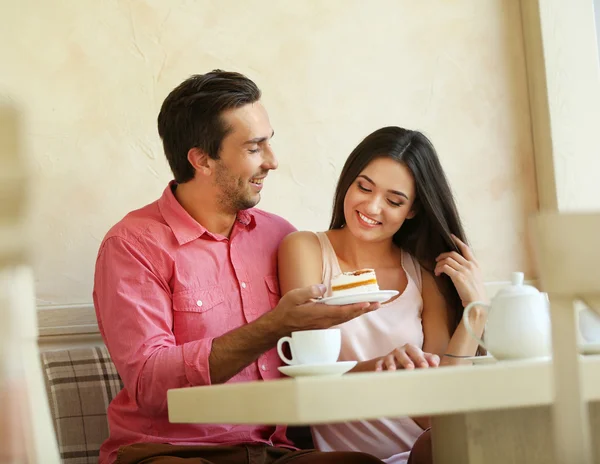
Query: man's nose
269	159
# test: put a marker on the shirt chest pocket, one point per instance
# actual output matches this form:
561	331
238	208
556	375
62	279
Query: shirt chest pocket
273	292
193	312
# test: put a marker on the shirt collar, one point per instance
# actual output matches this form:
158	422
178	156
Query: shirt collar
184	227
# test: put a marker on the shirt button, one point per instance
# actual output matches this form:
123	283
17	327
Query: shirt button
263	367
199	303
243	284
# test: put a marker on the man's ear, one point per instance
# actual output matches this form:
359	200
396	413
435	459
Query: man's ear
200	160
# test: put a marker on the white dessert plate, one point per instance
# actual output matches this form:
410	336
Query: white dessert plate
306	370
370	297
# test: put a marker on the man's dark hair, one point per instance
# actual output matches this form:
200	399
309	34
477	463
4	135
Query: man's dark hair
190	116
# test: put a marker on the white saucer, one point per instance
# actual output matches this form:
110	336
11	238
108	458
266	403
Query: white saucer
370	297
305	370
487	359
590	348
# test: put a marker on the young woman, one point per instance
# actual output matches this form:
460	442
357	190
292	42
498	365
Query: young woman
394	212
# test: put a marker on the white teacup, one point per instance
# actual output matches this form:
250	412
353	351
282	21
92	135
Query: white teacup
312	346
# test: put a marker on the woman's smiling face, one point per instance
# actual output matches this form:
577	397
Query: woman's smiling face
379	200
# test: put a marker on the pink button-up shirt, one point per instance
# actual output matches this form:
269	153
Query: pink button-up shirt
164	288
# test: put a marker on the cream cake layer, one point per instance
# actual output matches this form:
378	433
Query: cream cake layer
359	281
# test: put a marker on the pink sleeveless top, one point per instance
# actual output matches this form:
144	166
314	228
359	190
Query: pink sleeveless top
367	337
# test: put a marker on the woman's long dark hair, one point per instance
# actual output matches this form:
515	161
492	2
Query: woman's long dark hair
427	234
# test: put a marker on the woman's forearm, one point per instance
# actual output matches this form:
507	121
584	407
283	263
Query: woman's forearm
462	344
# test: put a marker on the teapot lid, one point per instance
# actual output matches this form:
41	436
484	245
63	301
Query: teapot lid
517	287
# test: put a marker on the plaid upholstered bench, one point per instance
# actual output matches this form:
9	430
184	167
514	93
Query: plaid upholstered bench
80	384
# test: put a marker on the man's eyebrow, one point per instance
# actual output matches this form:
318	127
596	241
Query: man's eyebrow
395	192
258	139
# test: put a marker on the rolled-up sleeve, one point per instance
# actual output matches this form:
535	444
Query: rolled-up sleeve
134	310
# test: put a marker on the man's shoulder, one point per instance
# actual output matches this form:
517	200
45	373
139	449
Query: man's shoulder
139	224
264	218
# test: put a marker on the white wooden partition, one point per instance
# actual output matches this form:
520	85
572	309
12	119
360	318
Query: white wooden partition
567	249
26	429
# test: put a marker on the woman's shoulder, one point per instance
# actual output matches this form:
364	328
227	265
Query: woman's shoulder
300	260
414	268
301	241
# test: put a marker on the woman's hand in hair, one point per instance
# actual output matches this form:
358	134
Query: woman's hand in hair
464	271
407	357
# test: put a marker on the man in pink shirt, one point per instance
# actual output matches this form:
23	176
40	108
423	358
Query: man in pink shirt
186	289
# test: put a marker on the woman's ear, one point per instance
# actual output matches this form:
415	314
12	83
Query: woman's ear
413	211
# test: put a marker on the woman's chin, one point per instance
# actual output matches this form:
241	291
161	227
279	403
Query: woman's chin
374	234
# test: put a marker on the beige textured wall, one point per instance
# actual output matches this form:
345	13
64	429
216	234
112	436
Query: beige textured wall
90	77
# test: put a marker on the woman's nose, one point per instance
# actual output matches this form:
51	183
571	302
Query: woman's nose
374	206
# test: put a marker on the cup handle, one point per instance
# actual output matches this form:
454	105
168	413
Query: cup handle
283	357
468	325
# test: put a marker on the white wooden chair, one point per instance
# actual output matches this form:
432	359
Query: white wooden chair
567	253
26	429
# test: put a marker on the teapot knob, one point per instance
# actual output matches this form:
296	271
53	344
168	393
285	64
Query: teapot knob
517	278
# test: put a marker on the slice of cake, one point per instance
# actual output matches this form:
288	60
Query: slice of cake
349	283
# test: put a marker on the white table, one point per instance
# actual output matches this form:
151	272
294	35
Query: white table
496	413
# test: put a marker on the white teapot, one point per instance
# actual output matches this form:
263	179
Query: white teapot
518	324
